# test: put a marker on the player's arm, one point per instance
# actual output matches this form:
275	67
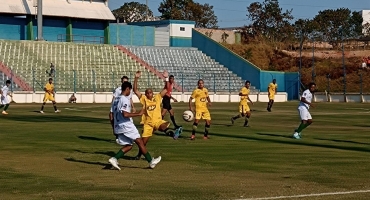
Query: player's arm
303	99
111	119
136	91
191	103
268	90
167	84
136	114
175	100
250	100
242	94
209	101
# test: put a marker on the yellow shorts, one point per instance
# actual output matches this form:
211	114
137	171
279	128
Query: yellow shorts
202	114
244	108
149	128
48	97
142	119
271	97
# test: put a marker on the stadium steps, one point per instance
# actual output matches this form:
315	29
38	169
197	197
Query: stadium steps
188	65
7	74
79	67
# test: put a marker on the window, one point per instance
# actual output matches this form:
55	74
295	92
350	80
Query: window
182	28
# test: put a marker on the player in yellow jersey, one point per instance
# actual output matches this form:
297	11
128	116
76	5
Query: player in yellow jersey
244	110
202	102
49	96
153	112
272	89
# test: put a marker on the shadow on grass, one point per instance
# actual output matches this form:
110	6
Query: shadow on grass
362	125
291	141
56	118
97	139
345	141
106	166
106	153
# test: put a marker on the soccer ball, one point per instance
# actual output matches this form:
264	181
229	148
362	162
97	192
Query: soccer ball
188	116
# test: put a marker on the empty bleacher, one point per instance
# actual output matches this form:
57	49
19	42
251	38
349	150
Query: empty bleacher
188	65
79	67
4	78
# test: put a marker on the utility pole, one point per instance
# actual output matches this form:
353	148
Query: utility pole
147	11
39	20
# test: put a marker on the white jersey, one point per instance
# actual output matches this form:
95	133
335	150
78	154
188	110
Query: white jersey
308	96
118	91
122	124
5	90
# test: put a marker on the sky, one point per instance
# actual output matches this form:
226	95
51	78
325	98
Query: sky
232	13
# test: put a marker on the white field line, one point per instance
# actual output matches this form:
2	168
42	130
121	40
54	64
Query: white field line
309	195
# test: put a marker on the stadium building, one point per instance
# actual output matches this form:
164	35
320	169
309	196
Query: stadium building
91	51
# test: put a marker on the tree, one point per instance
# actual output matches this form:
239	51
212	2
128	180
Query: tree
305	29
133	12
269	20
356	24
202	14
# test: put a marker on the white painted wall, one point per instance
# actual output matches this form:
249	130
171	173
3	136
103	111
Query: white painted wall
106	97
175	30
349	98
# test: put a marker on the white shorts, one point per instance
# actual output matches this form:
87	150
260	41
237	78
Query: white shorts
4	100
127	138
304	113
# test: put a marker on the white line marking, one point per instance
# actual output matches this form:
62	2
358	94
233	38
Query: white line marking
309	195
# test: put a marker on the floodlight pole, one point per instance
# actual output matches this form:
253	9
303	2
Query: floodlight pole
343	65
147	11
39	20
313	59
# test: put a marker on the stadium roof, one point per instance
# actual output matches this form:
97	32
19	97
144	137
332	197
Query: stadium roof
61	8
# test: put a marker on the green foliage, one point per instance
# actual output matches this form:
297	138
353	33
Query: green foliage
202	14
133	12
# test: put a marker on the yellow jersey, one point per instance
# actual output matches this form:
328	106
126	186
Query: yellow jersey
272	88
200	96
49	88
152	108
244	99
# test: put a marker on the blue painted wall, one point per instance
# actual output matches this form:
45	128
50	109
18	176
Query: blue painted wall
131	35
180	42
85	29
287	82
52	28
12	28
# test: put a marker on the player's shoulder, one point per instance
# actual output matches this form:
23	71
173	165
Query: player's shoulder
205	89
271	84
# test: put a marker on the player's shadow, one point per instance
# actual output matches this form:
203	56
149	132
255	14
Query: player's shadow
55	118
344	141
362	125
106	153
96	139
274	135
105	166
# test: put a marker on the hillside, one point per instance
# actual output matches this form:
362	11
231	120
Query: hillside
325	62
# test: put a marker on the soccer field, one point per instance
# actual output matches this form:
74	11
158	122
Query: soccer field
65	155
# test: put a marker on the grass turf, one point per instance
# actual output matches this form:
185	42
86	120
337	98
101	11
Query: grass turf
65	155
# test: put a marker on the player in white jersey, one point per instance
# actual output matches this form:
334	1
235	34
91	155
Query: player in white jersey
4	99
118	91
120	117
303	107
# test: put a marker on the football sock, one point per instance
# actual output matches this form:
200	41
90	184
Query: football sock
195	126
162	116
236	117
139	154
173	120
55	108
1	106
119	154
148	157
246	121
306	125
301	127
42	107
6	107
206	130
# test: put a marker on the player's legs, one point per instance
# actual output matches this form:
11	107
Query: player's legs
195	126
146	134
164	111
248	115
206	129
306	120
241	114
55	106
126	143
152	162
270	103
42	107
172	117
5	104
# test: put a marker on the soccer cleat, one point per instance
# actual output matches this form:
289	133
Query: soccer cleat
4	112
154	162
113	161
42	112
296	136
58	111
205	137
232	120
177	133
192	137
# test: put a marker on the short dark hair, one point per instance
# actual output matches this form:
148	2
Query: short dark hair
50	79
247	82
311	84
124	77
126	85
200	80
171	76
8	82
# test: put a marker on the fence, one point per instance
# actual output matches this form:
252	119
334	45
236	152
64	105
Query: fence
94	81
80	39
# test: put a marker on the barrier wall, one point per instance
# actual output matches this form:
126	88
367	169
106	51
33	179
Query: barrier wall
106	97
348	98
12	28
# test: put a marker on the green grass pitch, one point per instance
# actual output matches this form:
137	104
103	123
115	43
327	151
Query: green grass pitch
65	155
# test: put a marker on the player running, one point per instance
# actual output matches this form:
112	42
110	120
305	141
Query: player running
153	116
166	102
49	96
4	96
202	101
244	110
272	90
120	117
303	107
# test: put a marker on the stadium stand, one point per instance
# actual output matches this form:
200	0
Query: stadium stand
79	67
188	65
